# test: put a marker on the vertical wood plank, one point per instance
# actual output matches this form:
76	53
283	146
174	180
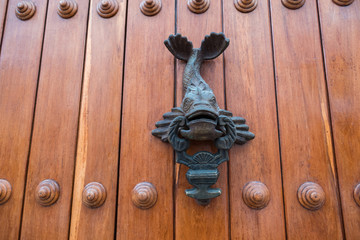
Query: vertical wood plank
99	125
341	33
305	135
148	93
53	145
193	221
250	93
3	7
19	68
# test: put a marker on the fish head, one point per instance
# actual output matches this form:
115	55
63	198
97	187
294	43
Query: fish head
201	112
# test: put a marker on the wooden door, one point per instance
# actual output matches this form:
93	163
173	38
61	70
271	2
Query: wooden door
83	82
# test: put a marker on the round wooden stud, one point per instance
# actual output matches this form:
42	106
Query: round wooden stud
150	7
94	195
343	2
293	4
144	195
107	8
311	196
5	191
357	194
67	8
245	6
256	195
198	6
47	192
25	10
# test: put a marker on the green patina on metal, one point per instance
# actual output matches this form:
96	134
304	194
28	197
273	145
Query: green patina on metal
200	118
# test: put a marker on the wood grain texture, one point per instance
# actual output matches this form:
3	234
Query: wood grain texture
250	93
99	125
341	33
19	68
305	133
148	93
193	221
53	146
3	8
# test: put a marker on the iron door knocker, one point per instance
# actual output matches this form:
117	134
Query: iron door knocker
200	118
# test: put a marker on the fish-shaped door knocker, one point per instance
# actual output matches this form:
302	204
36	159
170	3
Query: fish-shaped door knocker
200	118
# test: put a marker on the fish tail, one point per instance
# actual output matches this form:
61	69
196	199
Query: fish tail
179	46
213	45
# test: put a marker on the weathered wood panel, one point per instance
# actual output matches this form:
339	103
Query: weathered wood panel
99	126
3	8
305	134
250	93
148	93
341	34
193	221
19	68
53	146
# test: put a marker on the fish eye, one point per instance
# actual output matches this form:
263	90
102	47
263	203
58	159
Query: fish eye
213	99
187	104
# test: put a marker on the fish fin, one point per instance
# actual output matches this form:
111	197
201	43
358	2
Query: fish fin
242	131
213	45
225	113
163	126
179	46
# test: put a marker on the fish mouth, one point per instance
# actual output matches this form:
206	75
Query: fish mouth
202	114
201	125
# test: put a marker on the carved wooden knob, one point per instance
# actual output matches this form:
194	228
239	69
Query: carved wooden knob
150	7
357	194
67	8
144	195
25	10
47	192
343	2
245	6
94	195
293	4
107	8
198	6
311	196
5	191
256	195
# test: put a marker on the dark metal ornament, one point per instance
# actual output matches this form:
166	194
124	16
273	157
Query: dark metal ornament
200	118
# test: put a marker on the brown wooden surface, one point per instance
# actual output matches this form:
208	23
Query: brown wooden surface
99	126
53	146
341	35
195	221
19	68
52	125
305	134
250	93
3	7
148	93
